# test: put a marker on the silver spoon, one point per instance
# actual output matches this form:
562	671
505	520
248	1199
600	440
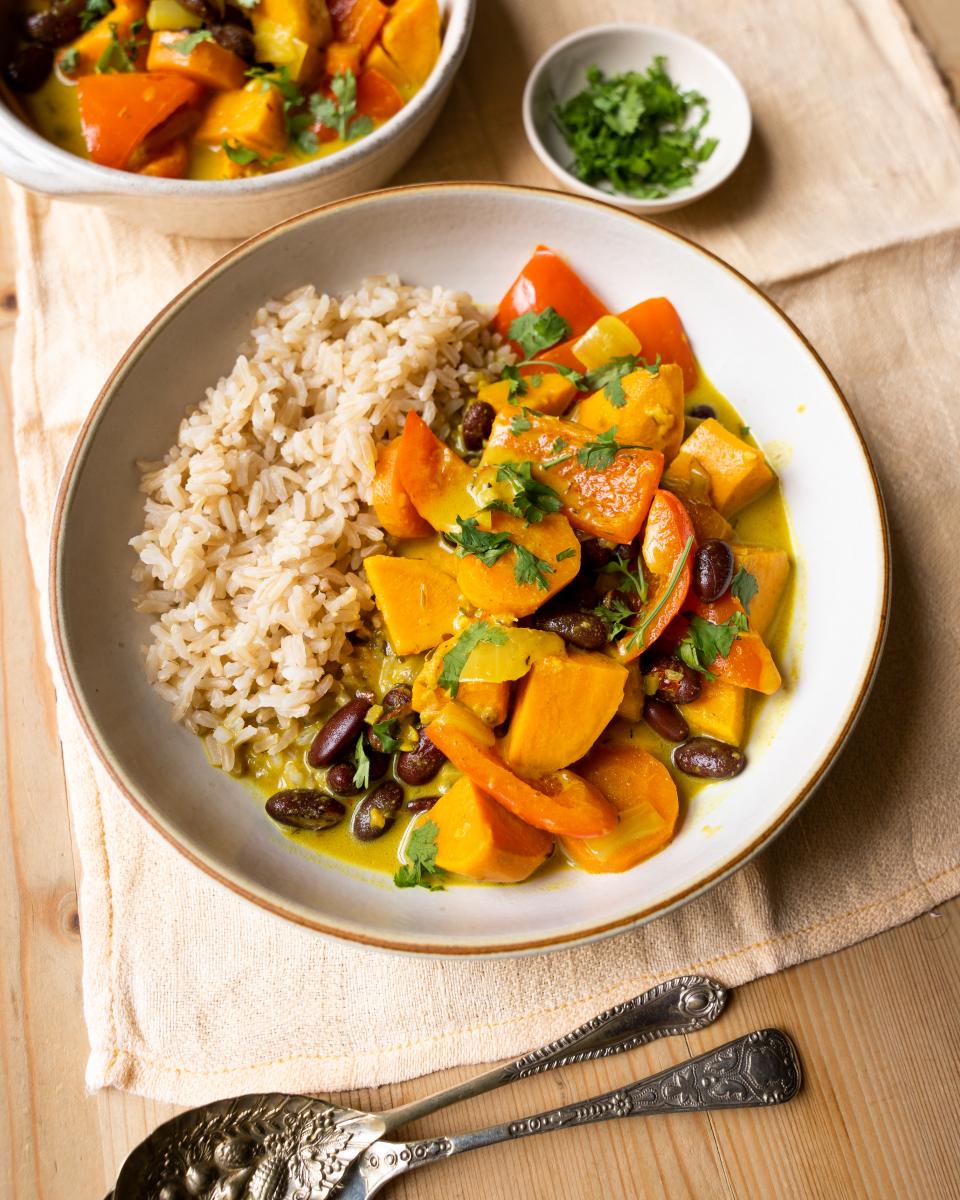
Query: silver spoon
273	1146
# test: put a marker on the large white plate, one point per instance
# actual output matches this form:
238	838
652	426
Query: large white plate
473	236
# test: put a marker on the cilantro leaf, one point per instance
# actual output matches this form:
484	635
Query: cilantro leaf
704	641
568	553
187	44
361	776
339	112
94	11
616	615
422	853
634	581
242	155
610	377
532	500
637	132
520	424
599	454
486	546
744	587
530	568
456	658
69	62
385	733
119	55
536	331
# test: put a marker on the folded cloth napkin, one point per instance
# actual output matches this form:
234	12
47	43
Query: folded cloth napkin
846	208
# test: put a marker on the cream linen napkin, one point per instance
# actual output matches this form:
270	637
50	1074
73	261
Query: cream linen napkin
845	208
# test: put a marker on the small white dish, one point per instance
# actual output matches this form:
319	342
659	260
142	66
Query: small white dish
629	46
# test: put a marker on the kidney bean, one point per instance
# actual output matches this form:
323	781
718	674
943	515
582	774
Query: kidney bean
209	11
340	779
584	630
337	736
594	555
706	758
712	569
702	411
56	25
397	701
477	423
305	808
422	804
235	39
29	68
377	812
420	765
676	683
665	720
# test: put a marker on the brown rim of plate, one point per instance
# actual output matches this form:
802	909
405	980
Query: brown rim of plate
509	950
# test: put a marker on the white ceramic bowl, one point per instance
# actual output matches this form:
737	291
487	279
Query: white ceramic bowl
472	236
238	207
628	46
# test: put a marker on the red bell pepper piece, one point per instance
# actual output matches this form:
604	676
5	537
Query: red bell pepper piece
117	111
660	330
548	282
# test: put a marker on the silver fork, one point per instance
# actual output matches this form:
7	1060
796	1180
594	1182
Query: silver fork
273	1146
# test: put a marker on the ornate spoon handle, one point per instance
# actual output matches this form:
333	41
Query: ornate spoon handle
679	1006
758	1069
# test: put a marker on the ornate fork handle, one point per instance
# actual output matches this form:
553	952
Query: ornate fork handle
679	1006
756	1070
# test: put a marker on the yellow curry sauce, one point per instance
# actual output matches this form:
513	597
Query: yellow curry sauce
763	522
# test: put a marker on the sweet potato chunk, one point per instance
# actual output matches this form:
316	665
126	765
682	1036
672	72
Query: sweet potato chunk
562	707
479	838
650	415
719	711
553	394
251	116
433	476
514	585
308	20
771	569
411	36
419	603
738	472
609	499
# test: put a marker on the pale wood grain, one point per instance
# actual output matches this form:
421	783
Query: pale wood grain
876	1024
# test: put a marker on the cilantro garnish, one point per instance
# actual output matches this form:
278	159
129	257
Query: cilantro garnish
616	615
244	156
69	61
340	112
94	11
532	500
486	546
599	454
386	734
536	331
568	553
635	581
361	776
118	54
744	587
187	44
637	131
520	424
530	568
456	658
704	642
648	618
422	853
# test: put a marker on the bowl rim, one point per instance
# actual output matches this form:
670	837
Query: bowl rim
635	204
92	178
287	910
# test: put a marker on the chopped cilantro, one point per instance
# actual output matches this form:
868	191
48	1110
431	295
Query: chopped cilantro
616	615
568	553
486	546
239	154
94	11
339	112
635	581
536	331
530	568
520	424
421	870
744	587
637	131
187	44
361	776
744	430
532	500
119	55
69	61
456	658
386	734
599	454
704	642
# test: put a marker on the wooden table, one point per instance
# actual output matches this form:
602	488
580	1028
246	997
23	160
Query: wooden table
876	1024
